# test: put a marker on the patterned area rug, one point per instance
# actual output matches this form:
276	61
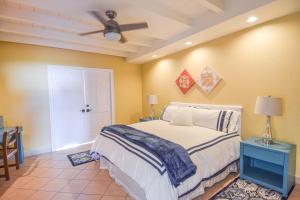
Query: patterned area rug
80	158
244	190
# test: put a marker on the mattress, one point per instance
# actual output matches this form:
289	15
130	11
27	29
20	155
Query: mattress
211	151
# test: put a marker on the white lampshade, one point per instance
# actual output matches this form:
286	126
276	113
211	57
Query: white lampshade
152	99
270	106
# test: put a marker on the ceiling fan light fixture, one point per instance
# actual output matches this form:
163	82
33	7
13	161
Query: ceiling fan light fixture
112	36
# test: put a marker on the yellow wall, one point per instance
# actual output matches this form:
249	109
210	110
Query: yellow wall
263	60
24	87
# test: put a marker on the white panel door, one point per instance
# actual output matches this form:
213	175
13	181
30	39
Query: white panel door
66	101
80	104
98	101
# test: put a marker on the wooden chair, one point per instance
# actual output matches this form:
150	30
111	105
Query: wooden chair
9	149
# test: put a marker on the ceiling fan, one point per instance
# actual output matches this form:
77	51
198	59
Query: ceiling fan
113	31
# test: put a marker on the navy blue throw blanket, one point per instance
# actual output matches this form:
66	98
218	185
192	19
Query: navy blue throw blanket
175	158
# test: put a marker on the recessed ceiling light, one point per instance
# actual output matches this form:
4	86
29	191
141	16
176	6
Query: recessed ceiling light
189	43
252	19
154	56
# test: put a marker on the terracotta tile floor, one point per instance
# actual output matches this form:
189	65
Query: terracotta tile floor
51	176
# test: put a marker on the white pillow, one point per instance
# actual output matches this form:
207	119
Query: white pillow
182	116
205	118
233	125
220	120
166	115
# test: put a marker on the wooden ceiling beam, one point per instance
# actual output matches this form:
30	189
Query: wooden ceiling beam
216	6
161	10
38	31
33	40
29	13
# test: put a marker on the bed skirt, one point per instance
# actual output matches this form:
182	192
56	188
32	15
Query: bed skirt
137	193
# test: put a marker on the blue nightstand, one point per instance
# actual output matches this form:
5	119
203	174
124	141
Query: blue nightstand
145	119
272	166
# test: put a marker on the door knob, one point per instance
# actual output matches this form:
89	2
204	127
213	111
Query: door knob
82	110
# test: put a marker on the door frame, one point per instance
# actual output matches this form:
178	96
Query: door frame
50	92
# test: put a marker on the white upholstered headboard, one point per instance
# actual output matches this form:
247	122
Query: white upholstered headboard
213	106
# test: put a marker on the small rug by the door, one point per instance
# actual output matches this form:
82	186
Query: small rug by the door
80	158
243	190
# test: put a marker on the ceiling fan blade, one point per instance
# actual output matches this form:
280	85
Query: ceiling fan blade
99	17
129	27
123	39
91	32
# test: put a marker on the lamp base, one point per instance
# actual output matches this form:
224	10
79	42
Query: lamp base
267	136
152	112
267	141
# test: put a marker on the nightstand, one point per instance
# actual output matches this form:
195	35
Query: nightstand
145	119
272	166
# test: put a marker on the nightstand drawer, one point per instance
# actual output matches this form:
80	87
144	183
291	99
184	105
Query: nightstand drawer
264	154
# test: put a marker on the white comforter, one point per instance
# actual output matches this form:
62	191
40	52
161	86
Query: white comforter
216	152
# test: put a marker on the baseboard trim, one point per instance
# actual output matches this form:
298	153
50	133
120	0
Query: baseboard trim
297	180
33	152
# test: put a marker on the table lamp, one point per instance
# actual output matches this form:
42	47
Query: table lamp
269	106
152	100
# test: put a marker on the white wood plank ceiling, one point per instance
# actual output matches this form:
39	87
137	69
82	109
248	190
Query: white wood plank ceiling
56	23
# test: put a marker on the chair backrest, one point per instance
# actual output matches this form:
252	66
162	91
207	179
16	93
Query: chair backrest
10	139
1	122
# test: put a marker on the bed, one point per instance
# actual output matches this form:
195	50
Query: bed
215	153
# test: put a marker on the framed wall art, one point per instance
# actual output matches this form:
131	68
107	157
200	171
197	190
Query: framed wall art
185	81
208	79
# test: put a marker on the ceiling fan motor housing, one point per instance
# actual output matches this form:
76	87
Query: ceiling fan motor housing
111	26
111	14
